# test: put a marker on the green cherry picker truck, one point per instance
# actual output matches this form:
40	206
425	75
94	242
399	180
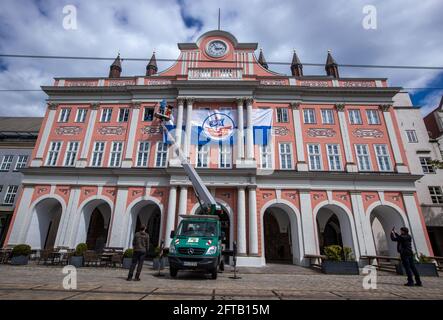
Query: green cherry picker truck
197	242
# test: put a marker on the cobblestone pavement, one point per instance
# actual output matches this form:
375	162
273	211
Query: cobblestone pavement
273	282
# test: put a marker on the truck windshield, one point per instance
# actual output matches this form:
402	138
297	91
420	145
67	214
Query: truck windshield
197	228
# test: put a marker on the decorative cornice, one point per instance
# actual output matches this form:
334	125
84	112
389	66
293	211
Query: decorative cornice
340	106
95	105
190	100
52	106
180	101
385	107
295	105
136	105
249	100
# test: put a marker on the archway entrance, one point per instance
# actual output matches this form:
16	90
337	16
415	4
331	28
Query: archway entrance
277	236
334	228
150	216
42	232
383	218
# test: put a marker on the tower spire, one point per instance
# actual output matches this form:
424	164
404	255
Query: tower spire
151	68
116	68
296	66
331	66
262	60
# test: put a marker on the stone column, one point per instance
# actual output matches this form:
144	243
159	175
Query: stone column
399	165
362	227
249	131
82	161
18	227
308	224
182	202
301	160
253	237
130	142
68	218
241	222
178	132
170	218
240	131
350	164
187	142
118	229
38	160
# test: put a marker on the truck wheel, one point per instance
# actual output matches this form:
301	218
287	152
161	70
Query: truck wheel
214	274
173	272
222	265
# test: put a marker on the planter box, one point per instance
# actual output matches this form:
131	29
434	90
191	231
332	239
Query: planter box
76	261
19	260
424	269
340	267
126	264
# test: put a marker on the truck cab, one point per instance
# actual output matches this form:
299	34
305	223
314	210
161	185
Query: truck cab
196	245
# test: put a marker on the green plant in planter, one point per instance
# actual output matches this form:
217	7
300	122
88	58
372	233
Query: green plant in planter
347	254
21	250
422	258
334	253
80	249
128	253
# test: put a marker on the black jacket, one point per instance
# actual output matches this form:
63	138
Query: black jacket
141	241
404	243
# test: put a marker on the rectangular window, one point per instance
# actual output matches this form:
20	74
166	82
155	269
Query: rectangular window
363	158
10	195
383	159
266	156
161	154
327	116
436	195
21	162
81	115
106	115
373	117
116	154
97	154
54	150
309	115
314	157
6	163
426	165
203	156
123	115
71	153
143	154
148	114
334	160
64	115
412	136
354	116
282	115
285	156
225	151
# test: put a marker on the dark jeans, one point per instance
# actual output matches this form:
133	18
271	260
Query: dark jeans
137	258
409	266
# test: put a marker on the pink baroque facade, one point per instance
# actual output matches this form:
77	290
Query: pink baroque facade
333	168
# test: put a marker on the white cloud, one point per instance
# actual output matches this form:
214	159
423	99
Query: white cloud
409	32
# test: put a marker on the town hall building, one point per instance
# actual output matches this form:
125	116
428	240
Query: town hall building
332	171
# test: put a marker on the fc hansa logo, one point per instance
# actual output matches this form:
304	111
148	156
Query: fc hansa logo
218	126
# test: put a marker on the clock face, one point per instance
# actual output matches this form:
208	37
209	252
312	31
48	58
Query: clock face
217	48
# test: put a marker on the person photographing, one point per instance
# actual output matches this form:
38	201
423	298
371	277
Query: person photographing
404	247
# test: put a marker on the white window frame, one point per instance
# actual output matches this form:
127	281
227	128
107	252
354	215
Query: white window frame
360	157
53	154
426	165
327	116
319	155
22	161
286	154
10	195
6	162
282	115
225	156
64	114
202	155
115	154
81	115
123	115
309	116
333	157
71	153
97	154
267	152
373	116
411	134
438	196
106	115
143	155
163	152
387	156
352	118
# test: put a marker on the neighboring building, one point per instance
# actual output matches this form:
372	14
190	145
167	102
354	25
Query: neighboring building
333	166
434	124
17	139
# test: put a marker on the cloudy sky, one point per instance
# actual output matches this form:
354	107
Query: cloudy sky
407	33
